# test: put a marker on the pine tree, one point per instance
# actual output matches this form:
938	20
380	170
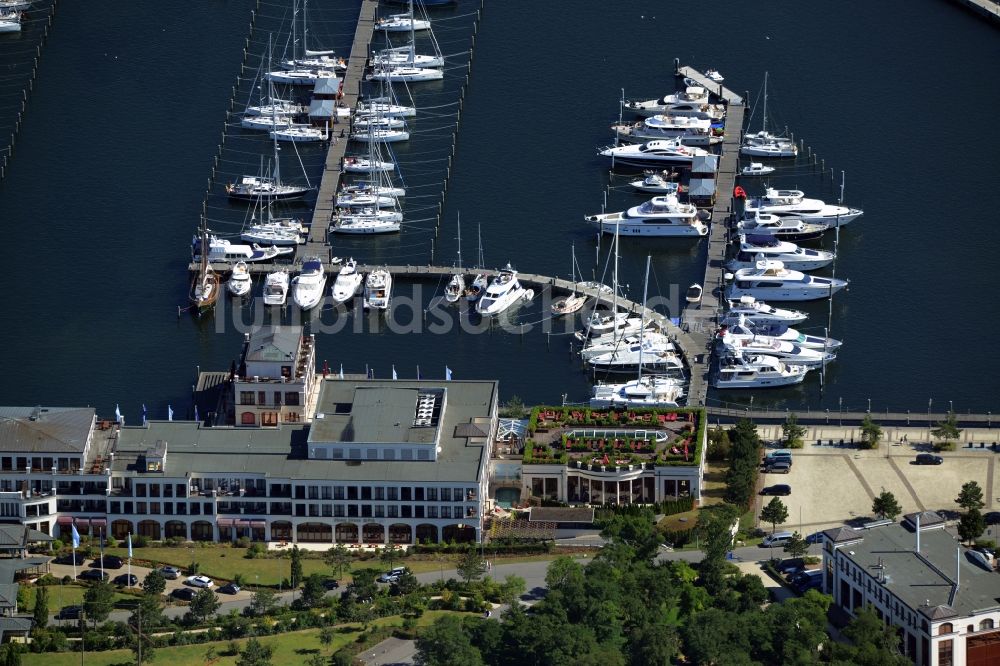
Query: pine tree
886	506
775	513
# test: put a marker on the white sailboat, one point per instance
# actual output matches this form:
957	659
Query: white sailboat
765	144
456	286
299	134
10	21
574	302
479	282
310	66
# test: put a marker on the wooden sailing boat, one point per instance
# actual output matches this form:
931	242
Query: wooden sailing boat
205	285
574	301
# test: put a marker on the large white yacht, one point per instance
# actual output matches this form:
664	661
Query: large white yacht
308	286
739	372
741	328
762	314
690	130
378	289
772	281
220	249
692	101
660	216
784	228
347	283
380	135
753	248
654	355
276	288
300	76
793	203
646	391
788	352
239	283
504	291
653	153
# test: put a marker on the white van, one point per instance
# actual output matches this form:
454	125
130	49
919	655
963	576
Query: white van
776	540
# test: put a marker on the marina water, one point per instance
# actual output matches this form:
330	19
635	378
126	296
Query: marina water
109	174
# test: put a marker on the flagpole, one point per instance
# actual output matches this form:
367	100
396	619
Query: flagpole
74	562
100	534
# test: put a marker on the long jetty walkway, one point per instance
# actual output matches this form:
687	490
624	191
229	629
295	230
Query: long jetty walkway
317	245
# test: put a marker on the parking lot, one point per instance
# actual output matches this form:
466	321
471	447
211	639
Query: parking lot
831	485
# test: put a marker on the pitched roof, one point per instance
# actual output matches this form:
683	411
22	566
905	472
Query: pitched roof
841	534
939	612
45	429
928	519
275	344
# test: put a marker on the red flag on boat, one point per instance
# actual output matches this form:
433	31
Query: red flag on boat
739	193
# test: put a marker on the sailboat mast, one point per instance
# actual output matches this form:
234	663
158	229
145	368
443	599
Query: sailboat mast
305	29
642	323
479	235
614	279
763	122
295	35
459	239
413	36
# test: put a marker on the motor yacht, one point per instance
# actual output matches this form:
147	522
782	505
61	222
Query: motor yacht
662	182
652	154
660	216
761	314
503	292
276	288
347	283
757	169
653	355
646	391
771	280
737	371
378	289
793	203
308	286
692	101
754	248
783	228
239	283
741	328
691	131
220	249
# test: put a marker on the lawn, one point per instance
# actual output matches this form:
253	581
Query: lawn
291	648
223	563
62	595
714	486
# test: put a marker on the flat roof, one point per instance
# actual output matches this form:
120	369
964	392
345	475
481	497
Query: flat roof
375	414
925	581
281	452
45	429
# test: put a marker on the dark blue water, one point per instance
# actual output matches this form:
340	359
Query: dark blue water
117	147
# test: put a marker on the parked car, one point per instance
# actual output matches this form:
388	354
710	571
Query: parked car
792	565
780	467
392	576
109	562
807	580
815	537
928	459
69	558
129	580
199	581
781	454
183	593
779	489
230	588
93	574
776	540
69	613
171	573
331	584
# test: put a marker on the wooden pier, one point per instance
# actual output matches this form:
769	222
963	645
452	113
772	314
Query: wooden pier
988	9
317	244
717	89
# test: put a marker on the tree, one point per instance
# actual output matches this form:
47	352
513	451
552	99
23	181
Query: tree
715	534
511	589
513	408
796	546
148	614
317	660
793	432
871	642
339	559
296	571
326	636
363	583
971	525
41	609
948	429
871	432
471	566
154	583
390	554
775	513
445	643
885	505
638	532
204	605
98	601
313	590
653	644
718	445
263	601
405	584
10	654
744	463
971	496
255	653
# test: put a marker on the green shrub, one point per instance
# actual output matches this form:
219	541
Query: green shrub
944	446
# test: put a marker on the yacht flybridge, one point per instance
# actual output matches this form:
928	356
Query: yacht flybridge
755	248
793	203
660	216
771	280
739	371
503	292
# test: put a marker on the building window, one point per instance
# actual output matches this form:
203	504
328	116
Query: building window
379	493
432	512
269	419
372	454
985	624
446	512
338	492
457	495
423	454
246	397
291	398
418	494
407	454
292	417
407	511
366	492
286	371
393	511
389	454
432	494
393	494
261	397
338	510
327	493
405	494
140	508
418	511
248	418
379	511
277	398
366	510
446	494
945	653
945	628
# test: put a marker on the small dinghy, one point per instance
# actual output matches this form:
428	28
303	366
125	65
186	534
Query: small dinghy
714	75
694	293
